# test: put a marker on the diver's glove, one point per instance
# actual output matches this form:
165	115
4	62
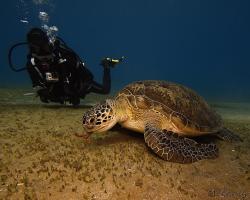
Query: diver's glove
111	62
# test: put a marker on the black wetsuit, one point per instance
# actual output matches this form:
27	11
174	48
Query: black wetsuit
75	79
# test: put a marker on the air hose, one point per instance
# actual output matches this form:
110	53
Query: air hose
10	56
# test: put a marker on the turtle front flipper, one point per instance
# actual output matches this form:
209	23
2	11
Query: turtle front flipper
171	147
227	135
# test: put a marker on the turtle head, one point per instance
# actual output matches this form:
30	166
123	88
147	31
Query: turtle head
100	118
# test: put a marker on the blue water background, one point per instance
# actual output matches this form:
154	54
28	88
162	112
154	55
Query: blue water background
202	44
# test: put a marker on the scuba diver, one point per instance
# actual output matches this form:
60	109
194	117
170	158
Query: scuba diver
57	72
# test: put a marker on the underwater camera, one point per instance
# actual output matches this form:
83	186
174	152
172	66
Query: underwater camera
51	77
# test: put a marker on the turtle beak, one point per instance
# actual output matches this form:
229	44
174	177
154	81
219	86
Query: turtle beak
85	133
85	129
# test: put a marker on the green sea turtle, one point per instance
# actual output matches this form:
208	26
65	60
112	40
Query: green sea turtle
167	113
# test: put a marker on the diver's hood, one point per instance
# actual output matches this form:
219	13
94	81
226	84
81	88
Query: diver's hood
37	36
38	42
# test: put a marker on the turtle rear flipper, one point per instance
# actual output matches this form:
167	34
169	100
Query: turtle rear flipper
227	135
171	147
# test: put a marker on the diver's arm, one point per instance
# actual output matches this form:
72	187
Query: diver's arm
34	73
103	88
95	87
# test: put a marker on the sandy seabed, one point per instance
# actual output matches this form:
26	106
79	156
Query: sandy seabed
41	158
